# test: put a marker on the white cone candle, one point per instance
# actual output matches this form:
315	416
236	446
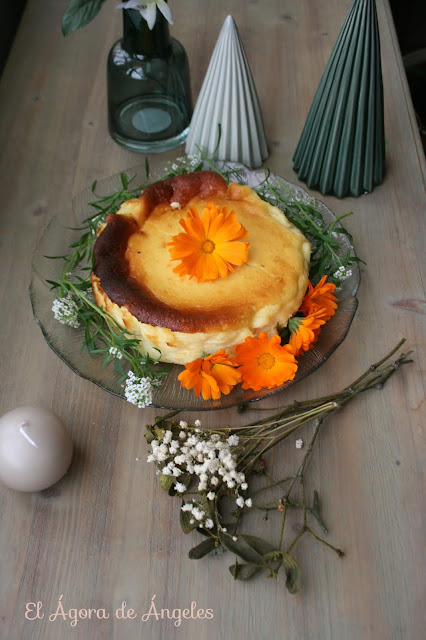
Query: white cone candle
228	100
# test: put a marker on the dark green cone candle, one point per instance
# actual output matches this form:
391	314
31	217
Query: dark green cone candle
342	147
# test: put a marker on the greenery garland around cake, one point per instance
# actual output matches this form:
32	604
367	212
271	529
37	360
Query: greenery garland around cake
222	476
75	305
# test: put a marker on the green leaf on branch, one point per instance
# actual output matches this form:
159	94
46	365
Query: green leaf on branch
166	482
79	13
202	549
315	510
184	479
185	518
244	571
293	573
248	548
207	506
149	436
262	547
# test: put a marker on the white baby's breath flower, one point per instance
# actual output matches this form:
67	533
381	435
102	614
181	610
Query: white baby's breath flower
115	352
299	443
187	506
249	502
138	391
197	423
198	514
209	524
204	456
342	273
65	310
168	435
148	9
234	538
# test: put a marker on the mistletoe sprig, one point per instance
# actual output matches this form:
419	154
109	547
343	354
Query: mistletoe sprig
211	471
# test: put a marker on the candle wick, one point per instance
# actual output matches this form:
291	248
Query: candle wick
25	434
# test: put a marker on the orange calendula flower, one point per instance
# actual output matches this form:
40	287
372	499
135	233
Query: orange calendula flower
304	332
265	362
320	297
210	247
210	376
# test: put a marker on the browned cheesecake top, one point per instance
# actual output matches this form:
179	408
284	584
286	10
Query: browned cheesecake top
133	264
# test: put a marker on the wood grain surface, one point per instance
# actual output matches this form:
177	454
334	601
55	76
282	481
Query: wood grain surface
106	533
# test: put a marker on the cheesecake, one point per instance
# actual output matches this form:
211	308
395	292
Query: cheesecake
175	317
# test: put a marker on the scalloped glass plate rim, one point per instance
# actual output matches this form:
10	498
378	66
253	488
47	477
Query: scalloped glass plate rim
330	338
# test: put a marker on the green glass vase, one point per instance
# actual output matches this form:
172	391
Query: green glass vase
149	94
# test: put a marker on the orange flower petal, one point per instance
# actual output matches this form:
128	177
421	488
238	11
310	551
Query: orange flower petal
226	377
304	332
233	252
320	297
210	376
210	246
209	387
265	363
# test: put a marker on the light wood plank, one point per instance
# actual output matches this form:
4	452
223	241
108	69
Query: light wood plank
107	533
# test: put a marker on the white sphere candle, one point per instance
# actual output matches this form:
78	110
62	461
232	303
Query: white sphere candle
35	449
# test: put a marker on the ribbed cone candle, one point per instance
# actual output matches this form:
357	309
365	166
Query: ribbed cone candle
342	147
227	121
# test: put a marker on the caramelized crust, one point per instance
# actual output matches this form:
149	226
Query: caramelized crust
112	267
205	184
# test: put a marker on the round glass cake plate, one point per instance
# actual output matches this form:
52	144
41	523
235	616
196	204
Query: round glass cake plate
67	342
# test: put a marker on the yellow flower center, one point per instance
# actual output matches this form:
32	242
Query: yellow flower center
266	361
208	246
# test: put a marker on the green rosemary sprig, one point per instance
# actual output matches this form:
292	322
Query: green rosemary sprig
102	334
172	445
326	256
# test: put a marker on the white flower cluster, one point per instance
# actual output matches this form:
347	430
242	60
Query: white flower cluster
342	273
198	515
65	310
207	456
190	161
115	352
138	391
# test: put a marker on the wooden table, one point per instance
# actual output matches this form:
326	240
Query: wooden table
107	533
